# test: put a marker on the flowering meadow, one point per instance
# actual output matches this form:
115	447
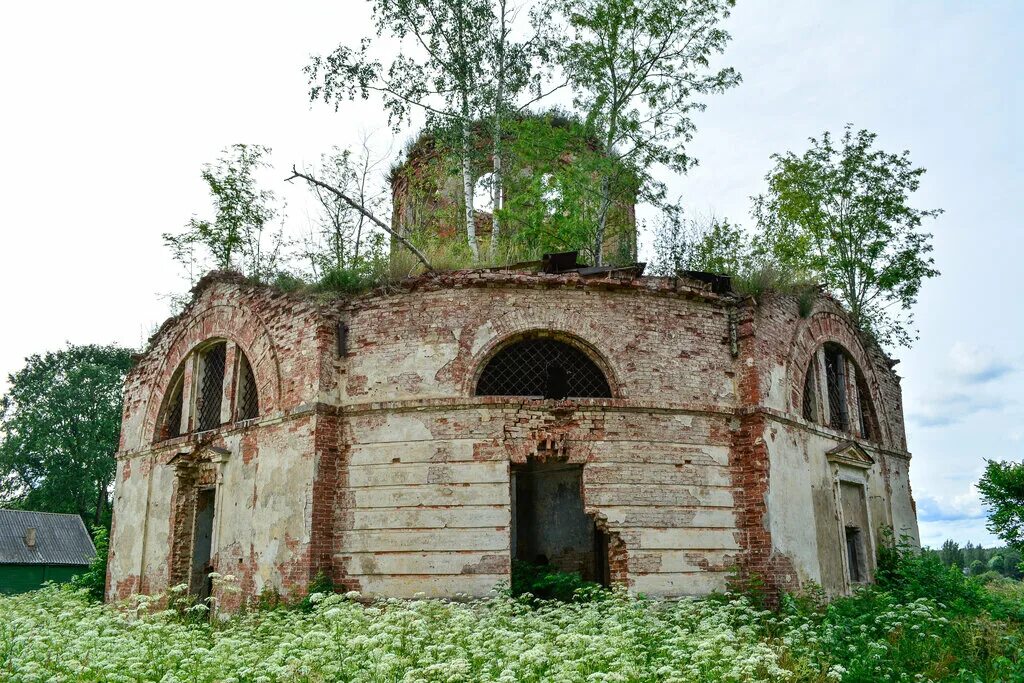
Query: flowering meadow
61	635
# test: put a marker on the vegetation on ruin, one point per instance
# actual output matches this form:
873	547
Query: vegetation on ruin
839	216
637	71
922	622
478	74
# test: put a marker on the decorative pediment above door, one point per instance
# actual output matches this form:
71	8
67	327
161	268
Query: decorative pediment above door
850	454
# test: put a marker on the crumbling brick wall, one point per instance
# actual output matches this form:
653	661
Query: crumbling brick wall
374	461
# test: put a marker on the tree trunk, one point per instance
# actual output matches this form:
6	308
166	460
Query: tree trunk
467	186
606	187
497	197
602	220
496	194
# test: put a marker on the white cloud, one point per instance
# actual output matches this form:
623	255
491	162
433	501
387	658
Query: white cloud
962	531
977	364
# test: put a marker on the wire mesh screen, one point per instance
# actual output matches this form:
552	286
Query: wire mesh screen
835	371
810	381
248	397
211	389
171	426
542	368
867	411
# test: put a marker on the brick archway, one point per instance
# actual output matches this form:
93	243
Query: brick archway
516	325
234	323
830	327
495	346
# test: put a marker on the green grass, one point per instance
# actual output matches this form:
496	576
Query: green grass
922	623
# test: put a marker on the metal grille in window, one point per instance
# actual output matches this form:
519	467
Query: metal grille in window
171	425
248	398
542	368
810	395
835	371
211	390
867	411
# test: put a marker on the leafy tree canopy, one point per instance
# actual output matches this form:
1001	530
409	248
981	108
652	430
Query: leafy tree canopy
840	214
59	424
639	70
234	238
1002	490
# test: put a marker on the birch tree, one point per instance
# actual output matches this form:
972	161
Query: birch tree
438	72
341	230
640	68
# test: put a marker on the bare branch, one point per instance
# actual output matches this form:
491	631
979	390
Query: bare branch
362	209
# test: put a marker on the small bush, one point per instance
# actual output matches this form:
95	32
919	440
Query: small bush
288	282
94	579
910	574
320	585
545	582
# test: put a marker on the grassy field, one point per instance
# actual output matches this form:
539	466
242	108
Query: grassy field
59	635
895	634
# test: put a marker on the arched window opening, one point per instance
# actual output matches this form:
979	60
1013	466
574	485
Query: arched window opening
211	386
835	376
810	403
247	401
542	368
483	193
170	422
843	400
868	420
551	193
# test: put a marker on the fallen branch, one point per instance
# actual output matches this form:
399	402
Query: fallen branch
362	209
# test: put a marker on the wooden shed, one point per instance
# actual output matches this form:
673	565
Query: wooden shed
36	547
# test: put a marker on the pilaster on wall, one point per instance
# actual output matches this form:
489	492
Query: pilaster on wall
329	482
750	468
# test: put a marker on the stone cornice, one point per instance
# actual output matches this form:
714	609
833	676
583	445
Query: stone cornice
607	405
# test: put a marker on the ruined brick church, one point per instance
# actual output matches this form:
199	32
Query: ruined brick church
646	431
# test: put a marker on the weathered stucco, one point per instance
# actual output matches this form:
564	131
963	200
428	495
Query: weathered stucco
373	461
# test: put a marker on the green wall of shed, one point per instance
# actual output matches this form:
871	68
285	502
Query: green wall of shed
19	578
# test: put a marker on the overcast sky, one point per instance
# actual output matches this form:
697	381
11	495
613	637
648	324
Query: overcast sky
108	110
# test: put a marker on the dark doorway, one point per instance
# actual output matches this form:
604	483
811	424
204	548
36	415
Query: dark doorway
202	545
549	526
855	554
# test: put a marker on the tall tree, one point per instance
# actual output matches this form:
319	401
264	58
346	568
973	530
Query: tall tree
952	554
1002	490
59	423
640	68
242	212
441	76
841	214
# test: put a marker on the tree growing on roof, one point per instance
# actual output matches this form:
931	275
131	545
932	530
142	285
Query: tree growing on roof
840	214
458	64
344	238
235	237
639	70
713	245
